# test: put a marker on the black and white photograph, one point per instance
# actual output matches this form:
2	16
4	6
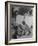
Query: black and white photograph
20	22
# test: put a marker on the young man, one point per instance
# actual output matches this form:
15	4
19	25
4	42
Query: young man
22	22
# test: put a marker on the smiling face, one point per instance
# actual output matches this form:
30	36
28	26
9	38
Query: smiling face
24	19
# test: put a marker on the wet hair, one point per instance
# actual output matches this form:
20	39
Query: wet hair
23	10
